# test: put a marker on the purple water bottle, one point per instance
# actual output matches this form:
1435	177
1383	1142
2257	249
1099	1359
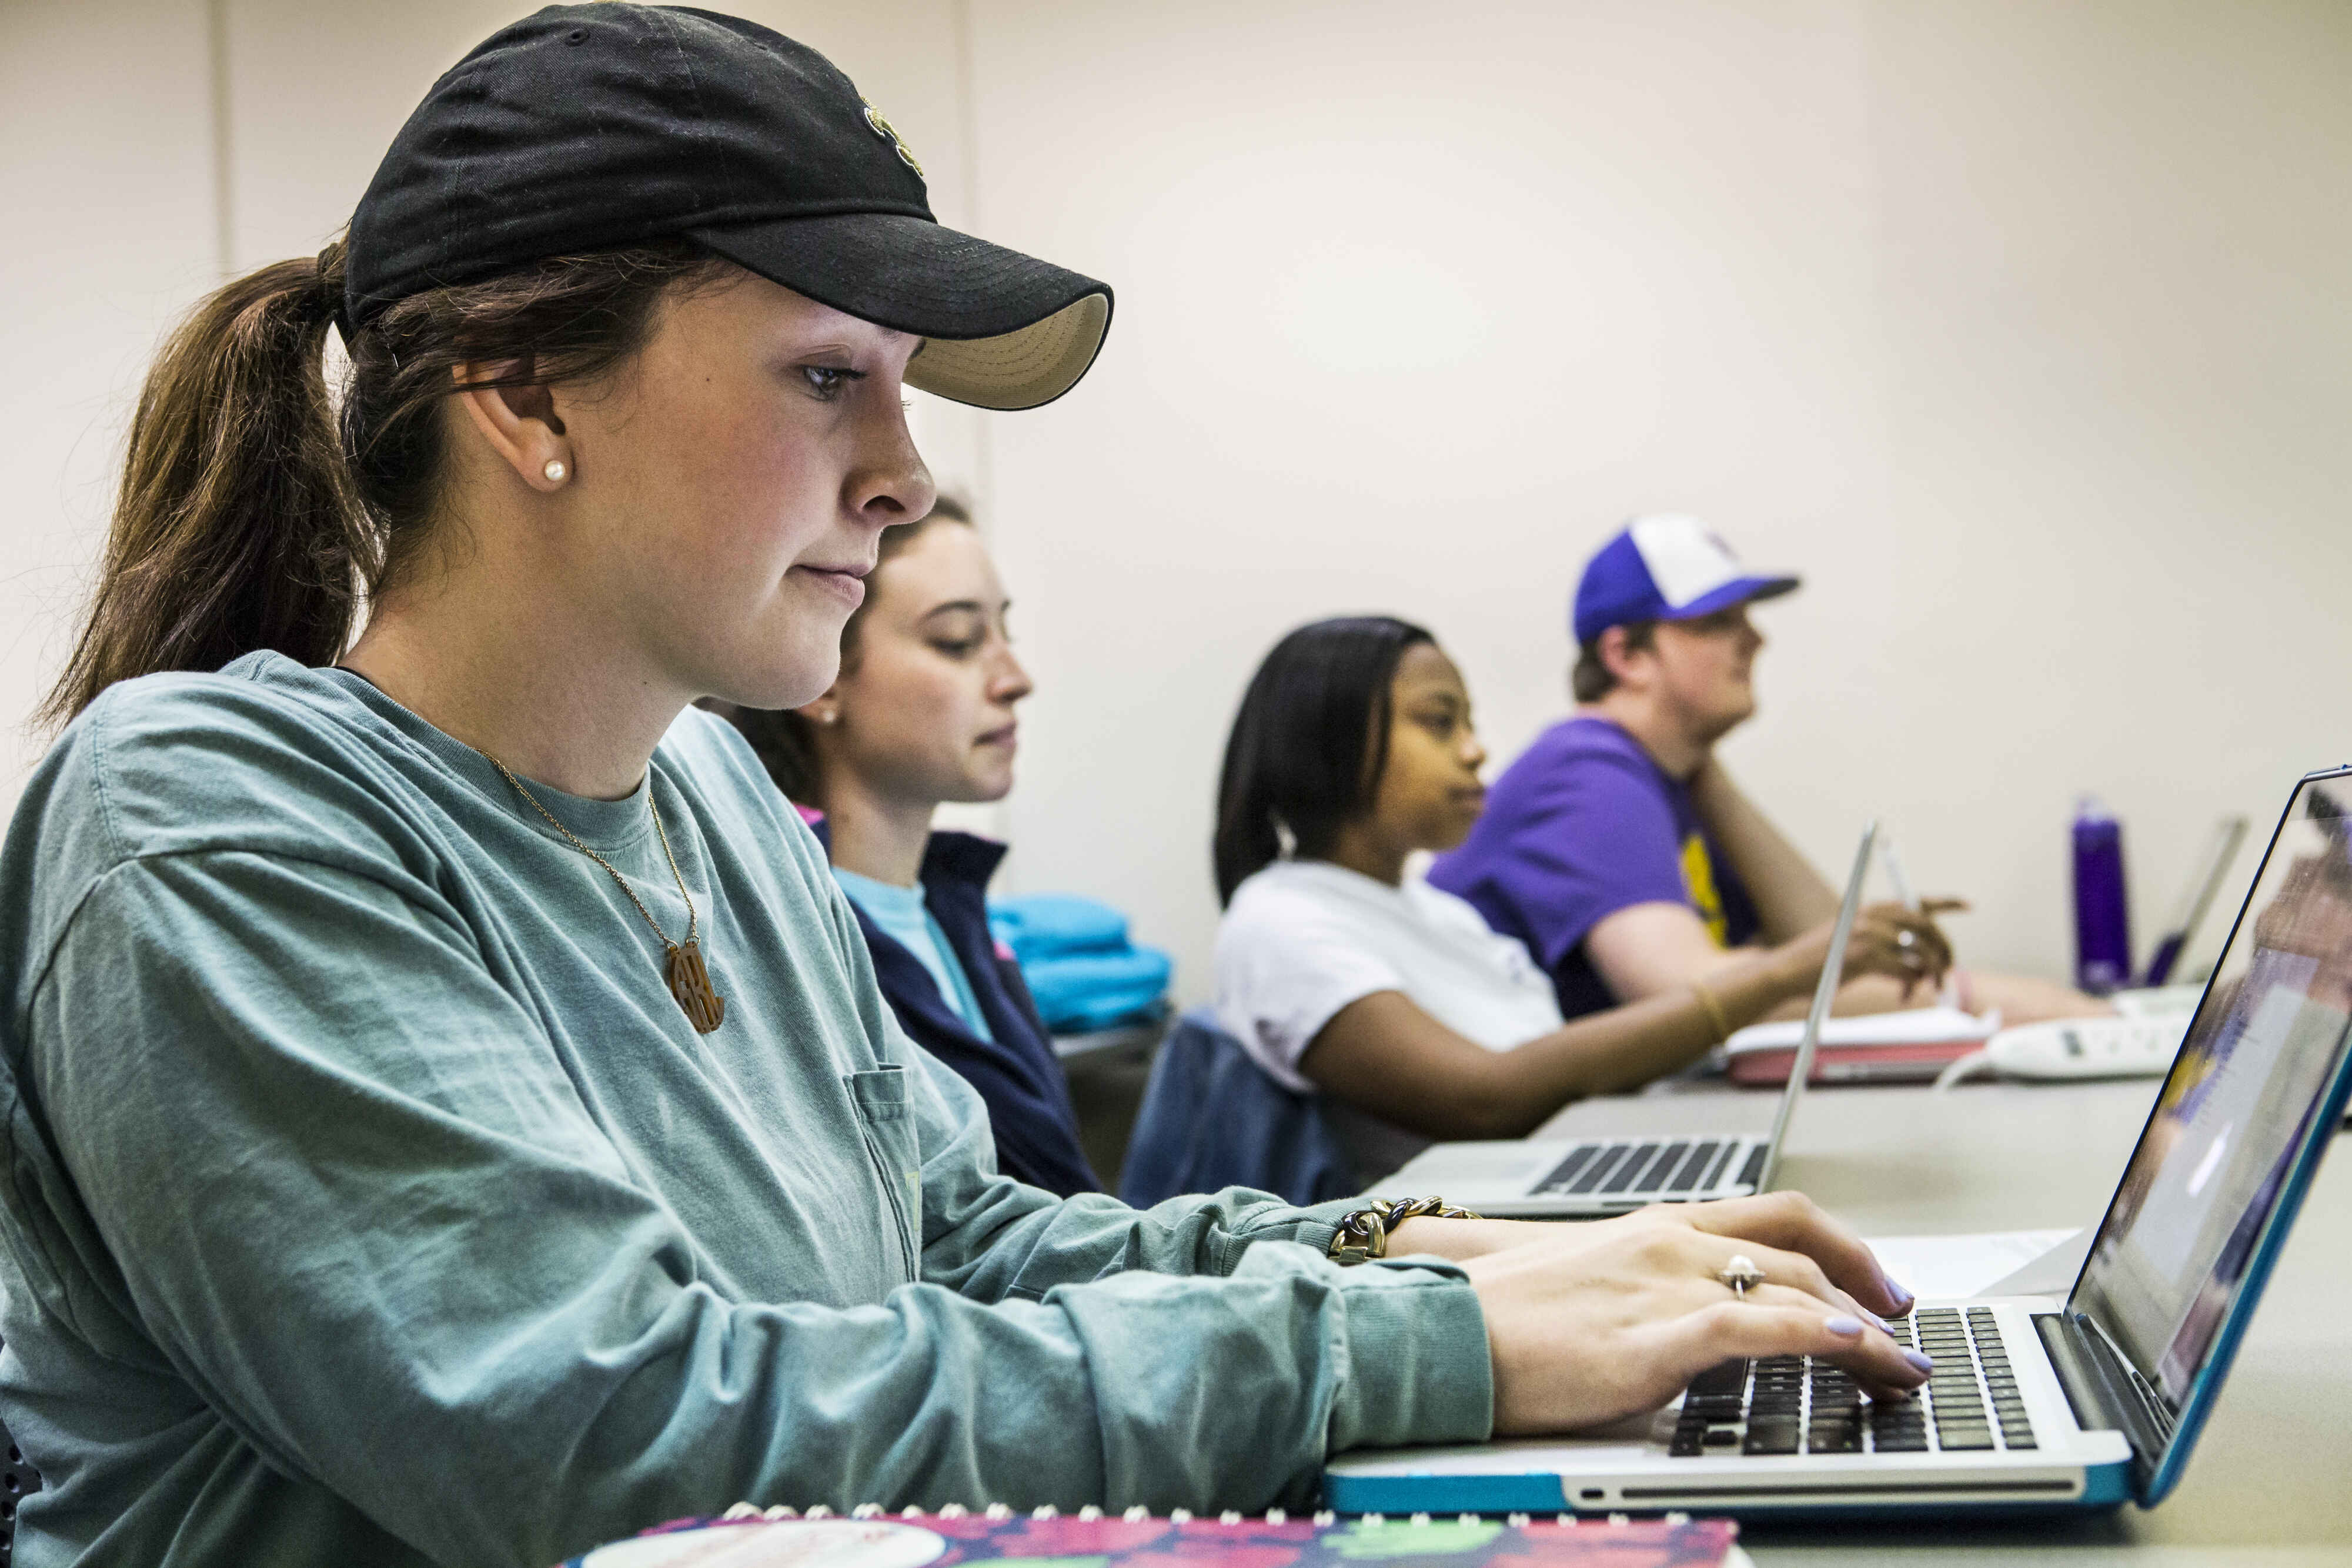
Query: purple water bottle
2102	915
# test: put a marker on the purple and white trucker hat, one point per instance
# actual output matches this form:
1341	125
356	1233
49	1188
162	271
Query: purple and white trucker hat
1664	567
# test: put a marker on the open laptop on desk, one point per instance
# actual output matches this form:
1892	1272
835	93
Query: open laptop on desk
1921	1045
2034	1402
1548	1179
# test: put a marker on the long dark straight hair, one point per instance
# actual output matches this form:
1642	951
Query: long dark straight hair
1310	744
252	516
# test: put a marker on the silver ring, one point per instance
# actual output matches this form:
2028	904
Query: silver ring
1906	939
1741	1275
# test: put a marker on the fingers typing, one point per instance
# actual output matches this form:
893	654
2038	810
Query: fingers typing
1768	1325
1790	1222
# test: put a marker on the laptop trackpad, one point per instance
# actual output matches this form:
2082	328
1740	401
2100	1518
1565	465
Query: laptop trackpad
1634	1441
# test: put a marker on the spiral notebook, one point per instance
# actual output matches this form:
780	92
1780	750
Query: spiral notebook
747	1538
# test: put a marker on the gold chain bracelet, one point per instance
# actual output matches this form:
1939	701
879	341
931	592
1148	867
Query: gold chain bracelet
1363	1233
1713	1010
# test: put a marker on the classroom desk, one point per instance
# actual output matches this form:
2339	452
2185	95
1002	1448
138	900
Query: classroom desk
2271	1484
1128	1037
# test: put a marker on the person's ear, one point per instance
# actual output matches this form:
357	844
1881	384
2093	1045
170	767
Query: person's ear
520	423
825	709
1616	657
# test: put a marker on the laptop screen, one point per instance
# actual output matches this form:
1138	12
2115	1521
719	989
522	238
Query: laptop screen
2172	1255
1824	994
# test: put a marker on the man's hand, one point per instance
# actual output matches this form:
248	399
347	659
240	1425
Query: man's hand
1889	939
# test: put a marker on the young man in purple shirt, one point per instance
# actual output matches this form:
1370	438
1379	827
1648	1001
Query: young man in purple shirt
1616	847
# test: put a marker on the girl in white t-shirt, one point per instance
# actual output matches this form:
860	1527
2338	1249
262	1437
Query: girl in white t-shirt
1338	972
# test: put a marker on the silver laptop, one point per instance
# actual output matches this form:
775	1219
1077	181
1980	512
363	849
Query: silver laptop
1547	1178
2034	1402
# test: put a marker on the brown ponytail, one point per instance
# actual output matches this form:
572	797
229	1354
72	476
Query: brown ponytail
235	528
251	517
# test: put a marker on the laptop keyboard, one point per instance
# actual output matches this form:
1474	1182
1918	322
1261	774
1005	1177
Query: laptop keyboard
1795	1404
1676	1166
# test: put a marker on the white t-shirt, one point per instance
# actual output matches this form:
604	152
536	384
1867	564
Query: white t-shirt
1302	939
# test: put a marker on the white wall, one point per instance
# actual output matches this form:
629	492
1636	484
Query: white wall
106	182
2022	330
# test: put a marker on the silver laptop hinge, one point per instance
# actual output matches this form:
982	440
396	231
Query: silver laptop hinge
2099	1386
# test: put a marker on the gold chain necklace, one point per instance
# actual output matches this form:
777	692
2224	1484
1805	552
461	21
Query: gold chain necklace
689	979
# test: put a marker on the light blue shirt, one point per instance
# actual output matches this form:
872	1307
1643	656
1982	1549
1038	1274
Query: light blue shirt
366	1199
901	914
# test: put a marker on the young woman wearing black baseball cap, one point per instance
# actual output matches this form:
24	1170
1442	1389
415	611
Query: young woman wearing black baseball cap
443	1126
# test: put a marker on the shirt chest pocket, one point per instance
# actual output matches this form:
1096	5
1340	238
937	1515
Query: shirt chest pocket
885	1120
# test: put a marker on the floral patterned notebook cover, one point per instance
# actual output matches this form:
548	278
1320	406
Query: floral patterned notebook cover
746	1538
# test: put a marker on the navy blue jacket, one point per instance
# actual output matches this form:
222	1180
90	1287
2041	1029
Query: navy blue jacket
1212	1119
1017	1073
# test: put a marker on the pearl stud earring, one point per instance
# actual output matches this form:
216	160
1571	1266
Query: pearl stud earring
556	471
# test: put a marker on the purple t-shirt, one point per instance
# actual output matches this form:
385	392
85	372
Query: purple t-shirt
1583	825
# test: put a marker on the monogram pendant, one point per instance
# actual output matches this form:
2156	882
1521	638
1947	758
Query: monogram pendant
689	982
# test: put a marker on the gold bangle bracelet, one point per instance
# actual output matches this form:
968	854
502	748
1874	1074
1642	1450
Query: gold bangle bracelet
1713	1010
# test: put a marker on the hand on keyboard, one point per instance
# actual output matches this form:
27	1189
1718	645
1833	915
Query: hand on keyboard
1597	1321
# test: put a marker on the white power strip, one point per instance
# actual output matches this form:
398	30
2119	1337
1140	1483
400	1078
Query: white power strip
2077	1048
2088	1048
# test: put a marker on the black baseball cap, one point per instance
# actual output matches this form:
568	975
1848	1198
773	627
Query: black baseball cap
587	128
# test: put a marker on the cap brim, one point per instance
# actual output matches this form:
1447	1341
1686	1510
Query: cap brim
1001	330
1739	590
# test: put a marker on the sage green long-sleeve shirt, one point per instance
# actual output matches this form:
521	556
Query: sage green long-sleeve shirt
367	1199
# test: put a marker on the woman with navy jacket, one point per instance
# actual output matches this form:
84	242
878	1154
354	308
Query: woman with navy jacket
922	714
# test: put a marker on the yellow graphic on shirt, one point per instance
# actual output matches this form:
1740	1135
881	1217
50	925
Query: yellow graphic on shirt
1698	880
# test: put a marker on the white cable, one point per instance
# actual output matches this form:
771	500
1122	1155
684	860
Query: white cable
1963	1069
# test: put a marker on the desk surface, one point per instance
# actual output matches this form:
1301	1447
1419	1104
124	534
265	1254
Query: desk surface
2271	1484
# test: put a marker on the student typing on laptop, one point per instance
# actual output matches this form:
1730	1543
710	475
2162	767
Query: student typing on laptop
397	1176
1339	973
1618	849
